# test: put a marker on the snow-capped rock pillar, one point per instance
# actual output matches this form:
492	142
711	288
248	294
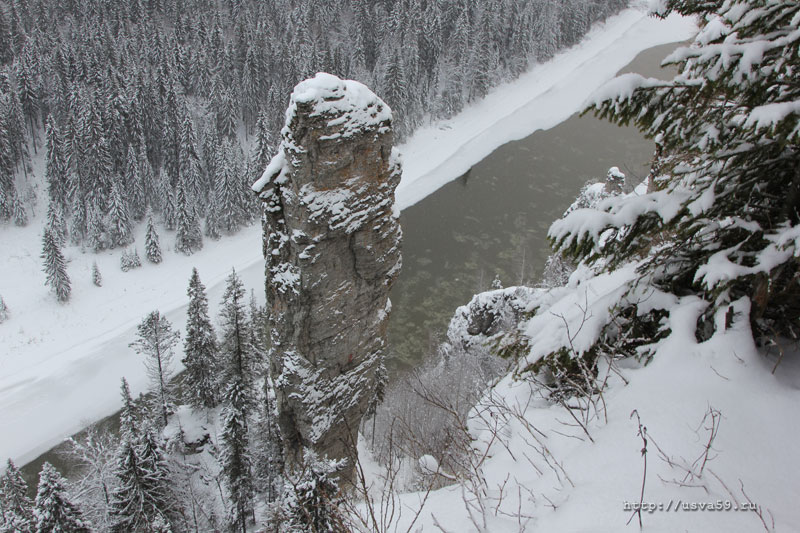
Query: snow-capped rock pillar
332	248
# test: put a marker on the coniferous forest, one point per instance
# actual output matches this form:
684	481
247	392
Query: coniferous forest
667	310
174	106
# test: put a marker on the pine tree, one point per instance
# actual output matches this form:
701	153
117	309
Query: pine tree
235	454
129	260
200	349
20	214
312	496
151	242
53	511
134	184
235	348
97	233
56	170
4	311
155	340
212	223
16	509
264	148
97	279
188	238
190	164
724	207
54	267
268	455
119	220
56	223
169	212
144	493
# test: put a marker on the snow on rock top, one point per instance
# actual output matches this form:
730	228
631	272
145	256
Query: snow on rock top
350	108
351	104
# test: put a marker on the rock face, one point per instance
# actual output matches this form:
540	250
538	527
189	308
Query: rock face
332	248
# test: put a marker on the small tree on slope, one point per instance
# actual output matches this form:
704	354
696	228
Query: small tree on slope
155	340
16	509
53	511
54	267
200	349
143	495
151	242
722	216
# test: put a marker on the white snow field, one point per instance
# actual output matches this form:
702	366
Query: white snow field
60	365
542	472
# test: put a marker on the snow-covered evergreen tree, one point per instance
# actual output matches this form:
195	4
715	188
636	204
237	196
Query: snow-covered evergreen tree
236	351
235	459
144	493
155	340
53	510
268	454
188	238
20	214
722	216
56	222
16	509
55	268
129	260
212	223
56	170
4	311
201	381
152	244
312	497
119	219
97	279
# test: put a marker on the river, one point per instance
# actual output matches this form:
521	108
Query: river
492	222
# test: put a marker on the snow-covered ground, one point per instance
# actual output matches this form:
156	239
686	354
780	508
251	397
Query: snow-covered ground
717	417
61	365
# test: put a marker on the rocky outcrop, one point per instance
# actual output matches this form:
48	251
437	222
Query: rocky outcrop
332	248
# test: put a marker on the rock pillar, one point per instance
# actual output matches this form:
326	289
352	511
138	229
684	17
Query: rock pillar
332	248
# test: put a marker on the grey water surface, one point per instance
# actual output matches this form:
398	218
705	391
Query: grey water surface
492	222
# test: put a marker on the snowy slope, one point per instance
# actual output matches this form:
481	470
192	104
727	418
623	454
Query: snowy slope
543	472
60	366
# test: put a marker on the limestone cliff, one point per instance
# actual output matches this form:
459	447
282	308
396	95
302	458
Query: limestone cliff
332	248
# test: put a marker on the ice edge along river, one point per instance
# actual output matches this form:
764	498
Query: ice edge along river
68	375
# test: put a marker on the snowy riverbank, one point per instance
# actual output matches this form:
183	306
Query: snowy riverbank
61	365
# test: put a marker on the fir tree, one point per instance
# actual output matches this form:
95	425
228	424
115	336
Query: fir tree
56	167
119	220
53	511
4	311
129	260
151	243
235	348
188	238
20	214
724	201
268	455
200	349
97	279
54	267
97	233
155	340
169	212
56	223
16	509
143	493
135	185
264	148
235	455
312	496
212	222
